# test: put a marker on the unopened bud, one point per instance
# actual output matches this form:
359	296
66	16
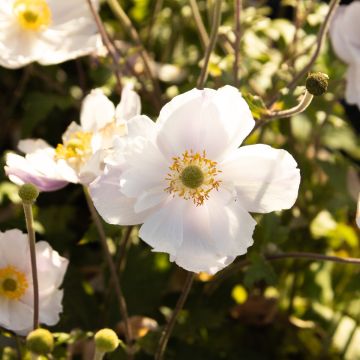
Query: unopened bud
106	340
317	83
40	341
28	193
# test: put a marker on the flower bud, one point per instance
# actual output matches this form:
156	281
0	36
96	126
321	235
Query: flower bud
106	340
40	341
28	193
317	83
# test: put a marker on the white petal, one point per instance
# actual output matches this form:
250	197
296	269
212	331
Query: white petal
51	307
265	179
163	230
214	121
96	111
150	198
148	169
352	93
92	168
14	250
142	126
31	145
21	317
112	205
129	106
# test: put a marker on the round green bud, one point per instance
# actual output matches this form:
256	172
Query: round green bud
192	177
28	193
317	83
40	341
106	340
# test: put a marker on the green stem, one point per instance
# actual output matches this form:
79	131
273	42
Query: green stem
31	235
98	355
212	41
113	272
170	325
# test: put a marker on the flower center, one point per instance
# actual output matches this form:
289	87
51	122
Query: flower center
192	176
13	283
33	15
76	150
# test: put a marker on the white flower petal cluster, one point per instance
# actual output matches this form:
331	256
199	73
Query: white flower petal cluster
16	285
80	158
345	38
190	185
46	31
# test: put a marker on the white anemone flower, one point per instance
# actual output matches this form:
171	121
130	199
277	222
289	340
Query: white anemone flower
46	31
190	185
80	157
16	284
345	38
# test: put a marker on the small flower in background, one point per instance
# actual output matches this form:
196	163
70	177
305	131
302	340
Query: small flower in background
345	38
16	290
46	31
80	157
192	187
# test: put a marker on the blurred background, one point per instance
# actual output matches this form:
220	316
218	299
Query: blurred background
256	309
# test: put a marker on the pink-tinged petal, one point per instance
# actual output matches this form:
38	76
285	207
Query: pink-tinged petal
129	106
111	203
96	111
163	229
214	121
265	179
20	171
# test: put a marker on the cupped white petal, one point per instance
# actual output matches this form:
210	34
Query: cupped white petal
214	121
96	111
352	92
50	307
92	168
141	126
110	202
129	106
265	179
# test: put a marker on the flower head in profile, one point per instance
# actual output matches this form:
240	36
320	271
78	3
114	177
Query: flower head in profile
345	38
46	31
16	289
80	156
190	185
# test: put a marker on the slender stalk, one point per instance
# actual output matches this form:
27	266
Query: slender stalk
238	7
212	41
319	43
274	115
204	37
109	46
170	325
122	249
129	27
113	272
98	355
235	267
31	235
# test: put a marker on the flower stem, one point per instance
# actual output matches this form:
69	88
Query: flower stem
98	355
212	41
129	27
109	46
31	235
204	37
238	8
113	273
170	325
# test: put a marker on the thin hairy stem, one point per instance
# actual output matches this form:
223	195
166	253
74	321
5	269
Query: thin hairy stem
109	46
129	27
238	8
235	267
170	325
212	41
204	37
31	235
321	36
111	266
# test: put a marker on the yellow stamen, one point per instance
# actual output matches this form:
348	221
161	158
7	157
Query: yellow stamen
33	15
193	176
76	150
13	283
